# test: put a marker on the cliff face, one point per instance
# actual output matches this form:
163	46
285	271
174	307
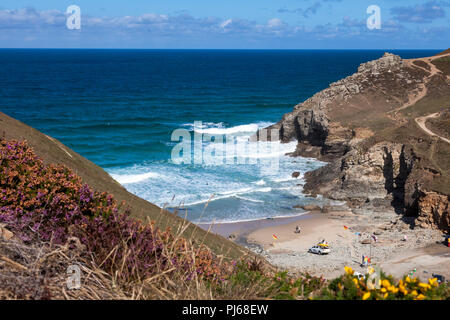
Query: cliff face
364	127
376	173
433	210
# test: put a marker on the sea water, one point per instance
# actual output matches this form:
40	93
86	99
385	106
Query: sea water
119	108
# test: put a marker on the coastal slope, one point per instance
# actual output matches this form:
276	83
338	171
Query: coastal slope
53	151
370	128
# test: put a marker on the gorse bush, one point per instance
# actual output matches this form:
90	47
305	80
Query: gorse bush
350	287
50	203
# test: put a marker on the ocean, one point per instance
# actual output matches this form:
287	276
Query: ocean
119	108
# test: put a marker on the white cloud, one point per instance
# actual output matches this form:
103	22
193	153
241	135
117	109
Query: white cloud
274	23
48	28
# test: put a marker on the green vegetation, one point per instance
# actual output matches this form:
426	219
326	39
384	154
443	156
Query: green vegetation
350	287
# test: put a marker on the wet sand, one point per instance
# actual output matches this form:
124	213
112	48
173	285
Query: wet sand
243	228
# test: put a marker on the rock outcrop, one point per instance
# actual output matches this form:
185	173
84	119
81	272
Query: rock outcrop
345	125
433	211
320	121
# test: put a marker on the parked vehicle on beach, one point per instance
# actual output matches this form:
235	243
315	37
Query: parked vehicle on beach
320	249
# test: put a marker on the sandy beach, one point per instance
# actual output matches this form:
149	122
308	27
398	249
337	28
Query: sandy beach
422	251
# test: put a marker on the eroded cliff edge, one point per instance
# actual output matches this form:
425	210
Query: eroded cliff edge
368	128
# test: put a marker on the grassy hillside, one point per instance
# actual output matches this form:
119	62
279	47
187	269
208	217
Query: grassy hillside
441	125
443	64
52	151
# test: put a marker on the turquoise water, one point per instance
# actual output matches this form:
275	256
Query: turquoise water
118	108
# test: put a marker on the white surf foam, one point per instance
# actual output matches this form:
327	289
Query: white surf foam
218	128
237	129
260	182
133	178
249	199
287	178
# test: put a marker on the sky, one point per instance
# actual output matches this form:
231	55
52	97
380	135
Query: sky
226	24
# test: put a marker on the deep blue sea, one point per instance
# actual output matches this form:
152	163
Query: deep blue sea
118	108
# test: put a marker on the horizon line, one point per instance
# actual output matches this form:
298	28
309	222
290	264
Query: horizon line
255	49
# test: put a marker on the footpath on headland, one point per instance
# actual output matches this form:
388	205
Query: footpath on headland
421	122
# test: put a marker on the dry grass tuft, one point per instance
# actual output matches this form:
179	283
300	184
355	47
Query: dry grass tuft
39	271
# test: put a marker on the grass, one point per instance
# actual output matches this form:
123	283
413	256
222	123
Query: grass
443	64
20	263
440	125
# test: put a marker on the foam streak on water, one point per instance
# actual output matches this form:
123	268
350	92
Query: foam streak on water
233	192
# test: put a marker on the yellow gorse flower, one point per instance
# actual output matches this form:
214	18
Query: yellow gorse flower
392	289
424	286
433	282
348	270
366	296
385	283
420	297
403	290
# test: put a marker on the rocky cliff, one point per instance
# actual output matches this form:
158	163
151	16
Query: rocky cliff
327	119
378	156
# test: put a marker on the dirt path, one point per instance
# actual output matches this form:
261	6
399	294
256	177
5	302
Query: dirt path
421	121
414	98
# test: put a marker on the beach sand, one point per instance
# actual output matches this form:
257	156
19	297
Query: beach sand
314	228
422	251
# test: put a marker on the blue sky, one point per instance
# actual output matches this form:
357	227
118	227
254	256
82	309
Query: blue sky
243	24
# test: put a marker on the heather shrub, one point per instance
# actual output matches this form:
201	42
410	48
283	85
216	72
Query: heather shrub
49	203
255	280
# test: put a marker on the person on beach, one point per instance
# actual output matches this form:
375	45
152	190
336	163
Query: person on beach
297	229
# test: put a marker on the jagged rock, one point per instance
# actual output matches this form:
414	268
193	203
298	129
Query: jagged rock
308	207
383	173
434	211
295	174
